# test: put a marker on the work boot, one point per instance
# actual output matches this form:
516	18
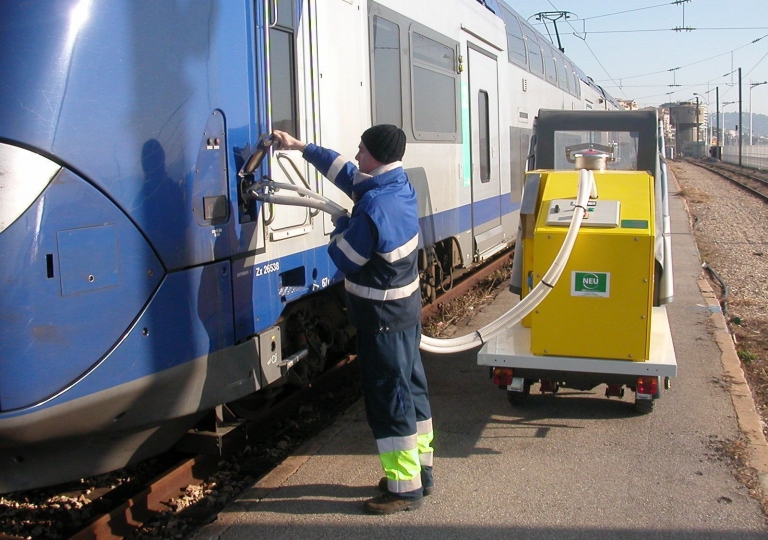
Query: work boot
427	490
388	503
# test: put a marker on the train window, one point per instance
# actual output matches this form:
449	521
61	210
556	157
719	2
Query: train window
388	101
282	69
569	76
435	87
575	83
434	103
515	38
431	52
284	13
562	77
550	66
484	139
535	57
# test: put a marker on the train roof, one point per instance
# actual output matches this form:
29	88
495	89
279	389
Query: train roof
496	5
493	5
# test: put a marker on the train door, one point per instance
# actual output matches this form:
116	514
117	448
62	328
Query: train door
289	97
484	130
342	84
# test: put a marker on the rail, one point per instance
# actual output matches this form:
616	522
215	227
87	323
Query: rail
753	182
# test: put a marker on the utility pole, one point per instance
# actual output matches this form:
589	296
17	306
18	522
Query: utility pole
751	86
719	135
697	126
740	117
724	104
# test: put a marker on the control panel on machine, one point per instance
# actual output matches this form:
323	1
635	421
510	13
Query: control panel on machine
600	213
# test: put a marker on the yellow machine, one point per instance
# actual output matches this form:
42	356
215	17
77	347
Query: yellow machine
592	262
601	306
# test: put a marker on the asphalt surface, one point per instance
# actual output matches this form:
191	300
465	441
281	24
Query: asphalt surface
572	465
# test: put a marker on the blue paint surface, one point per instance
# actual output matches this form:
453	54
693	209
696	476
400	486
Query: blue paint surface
56	322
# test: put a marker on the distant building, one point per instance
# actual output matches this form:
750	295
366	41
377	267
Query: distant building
628	104
687	125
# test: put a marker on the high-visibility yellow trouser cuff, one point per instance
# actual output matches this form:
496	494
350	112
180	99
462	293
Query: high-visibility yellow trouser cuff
402	469
425	448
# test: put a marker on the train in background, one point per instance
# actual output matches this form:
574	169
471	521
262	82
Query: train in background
140	291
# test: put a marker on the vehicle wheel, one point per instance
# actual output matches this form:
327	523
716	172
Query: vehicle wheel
644	406
518	399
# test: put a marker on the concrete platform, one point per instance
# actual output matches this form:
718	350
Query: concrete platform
573	465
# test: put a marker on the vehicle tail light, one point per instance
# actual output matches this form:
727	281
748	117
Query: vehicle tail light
502	376
647	385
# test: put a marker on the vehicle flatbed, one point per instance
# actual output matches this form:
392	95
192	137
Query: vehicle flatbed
513	349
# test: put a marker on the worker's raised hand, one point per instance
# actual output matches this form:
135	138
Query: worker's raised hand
340	219
285	141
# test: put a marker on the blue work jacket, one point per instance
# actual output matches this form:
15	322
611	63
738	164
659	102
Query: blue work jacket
377	246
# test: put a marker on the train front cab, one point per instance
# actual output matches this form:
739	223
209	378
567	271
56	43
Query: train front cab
604	321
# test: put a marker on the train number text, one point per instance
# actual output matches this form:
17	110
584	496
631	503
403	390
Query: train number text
266	269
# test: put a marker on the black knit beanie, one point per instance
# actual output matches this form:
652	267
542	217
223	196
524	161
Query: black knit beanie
385	142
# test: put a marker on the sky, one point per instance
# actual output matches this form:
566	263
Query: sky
629	47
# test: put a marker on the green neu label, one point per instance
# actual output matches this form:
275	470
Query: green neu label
591	284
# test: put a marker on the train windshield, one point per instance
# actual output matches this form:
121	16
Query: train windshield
622	143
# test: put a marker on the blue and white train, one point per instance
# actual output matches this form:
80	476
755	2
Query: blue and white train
139	289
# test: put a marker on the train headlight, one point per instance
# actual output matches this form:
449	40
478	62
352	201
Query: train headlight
23	177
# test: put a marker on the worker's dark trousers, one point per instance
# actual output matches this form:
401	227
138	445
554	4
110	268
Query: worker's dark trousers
396	399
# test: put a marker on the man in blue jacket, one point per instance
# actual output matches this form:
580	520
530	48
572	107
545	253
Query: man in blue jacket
377	249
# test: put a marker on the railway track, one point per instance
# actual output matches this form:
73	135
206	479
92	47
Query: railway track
158	496
188	490
193	490
752	181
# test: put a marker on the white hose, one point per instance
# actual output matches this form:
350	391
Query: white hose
534	298
277	186
310	199
326	206
587	187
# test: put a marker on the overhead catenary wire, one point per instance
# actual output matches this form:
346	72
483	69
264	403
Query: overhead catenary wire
585	42
616	84
698	28
693	63
626	11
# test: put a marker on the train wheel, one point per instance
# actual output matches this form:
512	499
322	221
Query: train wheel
548	386
446	279
428	289
439	276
